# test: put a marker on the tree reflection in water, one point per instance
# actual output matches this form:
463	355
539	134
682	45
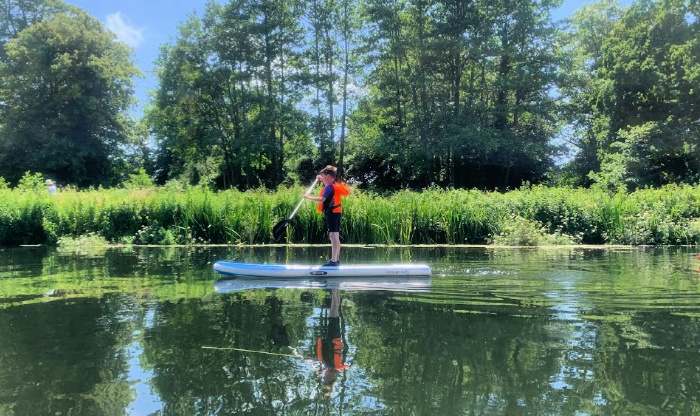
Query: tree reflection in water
501	332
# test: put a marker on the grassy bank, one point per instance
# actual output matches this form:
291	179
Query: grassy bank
530	216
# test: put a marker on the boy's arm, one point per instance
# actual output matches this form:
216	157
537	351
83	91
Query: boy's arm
319	198
314	198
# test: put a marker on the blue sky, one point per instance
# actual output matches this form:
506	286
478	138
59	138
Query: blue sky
145	25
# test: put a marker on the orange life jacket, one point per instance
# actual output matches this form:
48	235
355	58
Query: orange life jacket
339	191
336	346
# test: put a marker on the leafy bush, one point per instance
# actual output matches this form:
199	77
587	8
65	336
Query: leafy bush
155	234
138	180
523	232
88	240
31	182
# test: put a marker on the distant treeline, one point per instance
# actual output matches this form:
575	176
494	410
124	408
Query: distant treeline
409	94
527	216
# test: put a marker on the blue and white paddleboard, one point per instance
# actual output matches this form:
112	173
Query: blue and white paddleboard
287	271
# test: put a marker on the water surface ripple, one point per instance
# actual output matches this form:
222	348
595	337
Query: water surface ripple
495	331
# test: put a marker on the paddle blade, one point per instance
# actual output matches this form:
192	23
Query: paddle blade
280	229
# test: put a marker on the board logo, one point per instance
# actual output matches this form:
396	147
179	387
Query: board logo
318	273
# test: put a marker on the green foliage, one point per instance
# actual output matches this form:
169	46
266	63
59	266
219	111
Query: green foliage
528	216
138	180
17	15
246	89
21	216
66	87
155	234
457	94
523	232
636	112
447	111
3	183
520	232
31	182
225	113
89	240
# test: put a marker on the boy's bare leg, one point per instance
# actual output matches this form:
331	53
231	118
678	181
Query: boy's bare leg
335	246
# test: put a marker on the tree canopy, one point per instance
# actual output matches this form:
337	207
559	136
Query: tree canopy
226	110
456	92
638	109
67	85
485	94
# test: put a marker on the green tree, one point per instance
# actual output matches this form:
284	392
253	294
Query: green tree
350	25
643	100
332	53
226	104
17	15
459	93
399	36
322	57
177	115
67	85
524	113
583	42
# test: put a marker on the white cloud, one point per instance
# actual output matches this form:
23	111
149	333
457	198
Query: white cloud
125	33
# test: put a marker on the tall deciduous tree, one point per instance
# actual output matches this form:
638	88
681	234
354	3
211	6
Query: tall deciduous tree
583	42
17	15
67	85
349	26
332	54
183	115
647	106
460	93
226	107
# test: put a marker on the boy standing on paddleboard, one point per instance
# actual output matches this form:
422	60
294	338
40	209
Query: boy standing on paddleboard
329	203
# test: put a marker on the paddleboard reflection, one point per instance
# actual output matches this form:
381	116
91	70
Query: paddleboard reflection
389	283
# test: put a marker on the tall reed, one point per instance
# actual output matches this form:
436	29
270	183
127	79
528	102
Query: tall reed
669	215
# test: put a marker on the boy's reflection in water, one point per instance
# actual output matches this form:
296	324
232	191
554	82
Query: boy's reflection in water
329	347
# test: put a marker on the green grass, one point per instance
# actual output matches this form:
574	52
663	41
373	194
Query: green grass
534	215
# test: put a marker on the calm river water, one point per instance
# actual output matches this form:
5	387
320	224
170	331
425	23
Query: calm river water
142	331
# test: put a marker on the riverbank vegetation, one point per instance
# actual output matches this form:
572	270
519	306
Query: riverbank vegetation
532	215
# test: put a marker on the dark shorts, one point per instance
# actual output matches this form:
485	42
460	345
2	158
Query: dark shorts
333	222
333	330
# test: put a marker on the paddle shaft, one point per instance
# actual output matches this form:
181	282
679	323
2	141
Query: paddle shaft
311	188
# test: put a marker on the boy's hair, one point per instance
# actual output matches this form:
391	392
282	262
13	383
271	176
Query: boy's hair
330	170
